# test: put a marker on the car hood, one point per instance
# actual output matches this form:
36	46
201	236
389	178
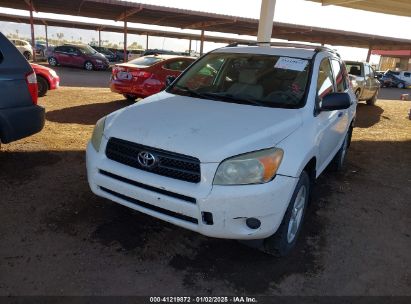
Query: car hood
209	130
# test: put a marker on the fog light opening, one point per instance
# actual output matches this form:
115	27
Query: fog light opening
253	223
208	218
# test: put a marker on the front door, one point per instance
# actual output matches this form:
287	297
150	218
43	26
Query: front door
331	125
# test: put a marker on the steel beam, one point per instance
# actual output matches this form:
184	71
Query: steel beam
265	25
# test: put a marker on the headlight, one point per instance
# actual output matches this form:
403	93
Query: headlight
251	168
53	73
99	61
98	134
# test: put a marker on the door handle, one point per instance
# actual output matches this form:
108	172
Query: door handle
340	114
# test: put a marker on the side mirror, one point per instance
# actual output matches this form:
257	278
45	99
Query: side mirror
336	101
169	80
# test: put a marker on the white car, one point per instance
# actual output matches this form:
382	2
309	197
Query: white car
232	147
24	47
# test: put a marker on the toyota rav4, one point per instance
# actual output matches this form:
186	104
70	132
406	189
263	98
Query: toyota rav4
232	147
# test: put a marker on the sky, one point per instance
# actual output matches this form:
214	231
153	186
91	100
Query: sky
288	11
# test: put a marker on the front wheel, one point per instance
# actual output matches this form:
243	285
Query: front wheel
400	85
284	240
339	159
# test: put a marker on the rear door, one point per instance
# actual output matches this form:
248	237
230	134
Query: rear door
61	54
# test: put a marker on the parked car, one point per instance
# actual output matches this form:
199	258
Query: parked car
106	52
390	80
47	79
20	116
119	54
147	75
82	56
364	81
24	47
230	151
133	54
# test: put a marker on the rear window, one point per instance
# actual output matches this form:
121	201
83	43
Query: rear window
146	61
353	69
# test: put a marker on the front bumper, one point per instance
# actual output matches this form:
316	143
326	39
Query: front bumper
166	198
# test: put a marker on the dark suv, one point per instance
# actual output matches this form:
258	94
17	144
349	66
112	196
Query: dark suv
82	56
20	116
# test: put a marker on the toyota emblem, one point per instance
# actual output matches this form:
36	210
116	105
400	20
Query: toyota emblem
146	159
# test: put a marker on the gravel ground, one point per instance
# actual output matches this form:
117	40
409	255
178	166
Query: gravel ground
57	238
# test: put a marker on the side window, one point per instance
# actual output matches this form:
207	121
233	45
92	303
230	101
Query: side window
60	49
339	76
325	83
406	74
178	65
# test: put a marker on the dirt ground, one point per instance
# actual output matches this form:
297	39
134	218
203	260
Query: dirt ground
57	238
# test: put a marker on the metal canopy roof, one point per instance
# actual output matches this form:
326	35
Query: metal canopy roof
114	28
393	7
179	18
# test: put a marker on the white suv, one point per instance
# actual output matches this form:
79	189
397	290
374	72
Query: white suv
24	47
232	147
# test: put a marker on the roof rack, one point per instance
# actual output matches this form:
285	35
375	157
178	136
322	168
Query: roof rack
317	48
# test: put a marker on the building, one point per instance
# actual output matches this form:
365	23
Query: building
394	60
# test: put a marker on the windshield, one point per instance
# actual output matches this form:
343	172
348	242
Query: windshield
87	50
262	80
145	61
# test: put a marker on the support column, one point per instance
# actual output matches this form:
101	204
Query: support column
99	38
47	36
125	41
189	47
265	26
369	54
33	40
202	43
146	41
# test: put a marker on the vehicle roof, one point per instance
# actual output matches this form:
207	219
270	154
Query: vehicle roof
291	51
165	57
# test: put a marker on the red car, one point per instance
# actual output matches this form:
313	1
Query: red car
47	79
146	75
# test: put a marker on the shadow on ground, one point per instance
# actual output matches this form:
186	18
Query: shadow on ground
86	114
367	116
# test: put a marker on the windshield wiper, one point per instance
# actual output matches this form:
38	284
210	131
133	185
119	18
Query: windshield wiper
191	92
236	99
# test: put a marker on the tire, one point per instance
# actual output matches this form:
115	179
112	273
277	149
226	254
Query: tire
358	94
53	61
88	65
373	100
284	240
130	97
43	86
339	160
27	55
400	85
